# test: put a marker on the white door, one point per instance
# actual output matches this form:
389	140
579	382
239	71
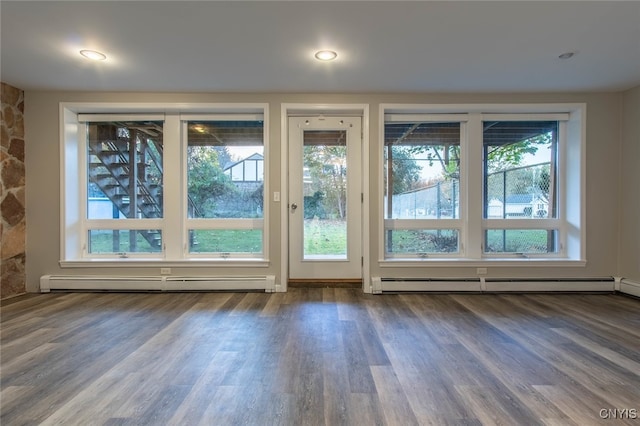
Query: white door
325	198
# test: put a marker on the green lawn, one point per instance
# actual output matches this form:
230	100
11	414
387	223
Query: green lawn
423	241
429	241
227	241
328	237
102	241
517	241
325	237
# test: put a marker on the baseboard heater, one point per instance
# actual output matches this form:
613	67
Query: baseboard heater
156	283
380	285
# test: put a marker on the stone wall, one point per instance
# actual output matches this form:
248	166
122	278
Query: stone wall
12	193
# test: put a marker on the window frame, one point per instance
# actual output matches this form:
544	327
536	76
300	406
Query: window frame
74	224
546	224
125	224
570	220
458	224
211	224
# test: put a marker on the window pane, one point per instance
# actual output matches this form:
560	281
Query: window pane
225	241
520	241
422	170
419	241
125	169
520	169
125	241
222	162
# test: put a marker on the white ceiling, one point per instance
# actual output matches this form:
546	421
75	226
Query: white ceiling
383	46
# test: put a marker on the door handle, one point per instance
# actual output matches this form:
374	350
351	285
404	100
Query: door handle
294	206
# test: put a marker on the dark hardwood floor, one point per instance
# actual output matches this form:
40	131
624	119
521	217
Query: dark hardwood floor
320	356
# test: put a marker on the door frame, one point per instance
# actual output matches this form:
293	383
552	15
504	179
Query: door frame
294	109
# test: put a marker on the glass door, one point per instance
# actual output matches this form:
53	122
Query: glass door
325	198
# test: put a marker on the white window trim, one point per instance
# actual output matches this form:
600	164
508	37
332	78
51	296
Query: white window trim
558	223
455	224
226	223
572	163
73	223
109	224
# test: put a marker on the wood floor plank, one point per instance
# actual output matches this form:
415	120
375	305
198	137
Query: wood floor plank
394	403
359	372
584	308
364	409
101	395
565	354
317	356
632	366
273	304
519	384
583	411
431	398
336	388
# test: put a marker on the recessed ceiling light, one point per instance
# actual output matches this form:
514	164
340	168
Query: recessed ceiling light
93	55
567	55
326	55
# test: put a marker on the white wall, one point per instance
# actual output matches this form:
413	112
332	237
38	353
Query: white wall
603	160
629	266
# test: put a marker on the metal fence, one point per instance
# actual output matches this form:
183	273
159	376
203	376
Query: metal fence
522	192
438	201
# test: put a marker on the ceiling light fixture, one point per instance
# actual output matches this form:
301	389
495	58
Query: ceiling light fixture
567	55
326	55
94	55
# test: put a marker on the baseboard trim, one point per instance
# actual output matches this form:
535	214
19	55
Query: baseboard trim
630	287
12	298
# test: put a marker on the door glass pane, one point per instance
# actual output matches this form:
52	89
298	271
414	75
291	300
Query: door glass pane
324	182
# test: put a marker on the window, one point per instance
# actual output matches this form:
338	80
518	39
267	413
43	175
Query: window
520	182
164	186
124	173
422	187
225	185
483	183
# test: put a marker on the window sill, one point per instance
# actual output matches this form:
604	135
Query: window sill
503	262
156	263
